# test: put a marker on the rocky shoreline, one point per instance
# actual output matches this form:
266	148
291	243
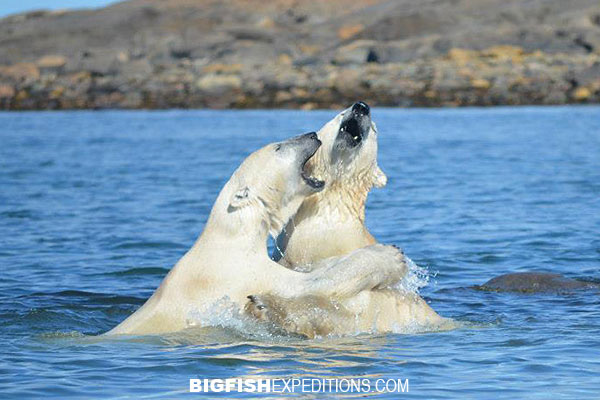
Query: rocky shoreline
255	68
503	75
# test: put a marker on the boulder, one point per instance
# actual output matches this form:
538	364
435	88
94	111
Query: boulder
51	61
20	72
51	64
357	52
348	31
6	92
535	282
216	84
582	93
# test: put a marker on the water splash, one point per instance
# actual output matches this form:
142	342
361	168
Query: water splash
416	278
227	315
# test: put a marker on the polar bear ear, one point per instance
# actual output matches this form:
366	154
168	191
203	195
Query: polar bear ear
379	178
240	199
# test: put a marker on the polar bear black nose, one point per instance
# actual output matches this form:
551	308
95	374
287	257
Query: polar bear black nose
361	108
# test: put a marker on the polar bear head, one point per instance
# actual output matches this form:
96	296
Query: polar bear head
347	161
267	188
348	156
305	317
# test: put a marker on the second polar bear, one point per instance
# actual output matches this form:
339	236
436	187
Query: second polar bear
230	260
332	222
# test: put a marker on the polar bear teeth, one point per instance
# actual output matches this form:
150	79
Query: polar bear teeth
313	182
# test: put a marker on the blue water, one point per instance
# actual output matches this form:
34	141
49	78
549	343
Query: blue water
95	207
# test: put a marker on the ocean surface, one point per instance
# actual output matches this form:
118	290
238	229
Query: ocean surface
96	207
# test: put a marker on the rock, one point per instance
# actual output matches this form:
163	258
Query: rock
132	100
57	92
122	57
283	96
215	84
582	93
136	69
299	93
222	68
356	52
52	61
309	50
79	77
460	56
284	59
6	92
21	72
535	282
505	52
348	31
251	34
309	106
479	83
99	62
266	23
300	54
22	95
308	61
589	75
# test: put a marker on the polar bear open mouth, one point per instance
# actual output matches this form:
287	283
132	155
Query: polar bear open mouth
311	181
356	124
352	129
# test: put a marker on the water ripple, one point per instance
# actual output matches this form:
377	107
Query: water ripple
96	207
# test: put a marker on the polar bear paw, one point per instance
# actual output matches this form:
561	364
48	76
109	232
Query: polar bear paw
372	267
389	263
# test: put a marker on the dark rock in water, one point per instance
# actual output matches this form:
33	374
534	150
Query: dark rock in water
535	282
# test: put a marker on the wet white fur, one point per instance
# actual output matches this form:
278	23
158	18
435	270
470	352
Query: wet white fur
332	223
230	260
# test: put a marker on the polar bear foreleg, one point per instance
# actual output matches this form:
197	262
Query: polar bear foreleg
373	267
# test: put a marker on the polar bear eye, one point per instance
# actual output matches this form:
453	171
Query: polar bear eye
278	147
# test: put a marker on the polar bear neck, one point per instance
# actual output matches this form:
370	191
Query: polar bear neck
345	194
339	202
244	230
343	199
248	227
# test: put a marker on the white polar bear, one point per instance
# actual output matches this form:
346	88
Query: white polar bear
230	260
332	222
311	316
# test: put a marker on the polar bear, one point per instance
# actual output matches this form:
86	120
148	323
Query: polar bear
230	259
332	222
307	316
311	316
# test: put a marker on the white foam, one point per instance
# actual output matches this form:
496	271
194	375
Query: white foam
227	315
416	278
